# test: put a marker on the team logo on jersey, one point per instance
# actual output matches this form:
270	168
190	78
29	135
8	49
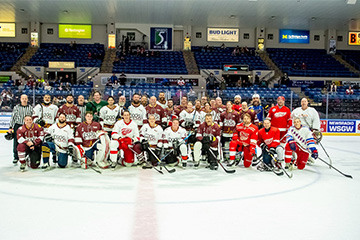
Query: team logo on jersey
110	118
60	138
244	136
136	116
126	131
268	141
274	110
279	114
89	135
71	118
229	123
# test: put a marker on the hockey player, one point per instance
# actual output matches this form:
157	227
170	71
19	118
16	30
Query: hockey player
299	139
151	138
244	140
197	106
125	137
144	100
162	101
269	141
182	106
258	109
228	121
189	118
71	111
95	105
172	138
109	115
137	111
309	116
59	141
208	137
219	109
280	118
170	112
45	113
82	107
237	103
245	109
122	104
206	110
89	138
156	110
29	137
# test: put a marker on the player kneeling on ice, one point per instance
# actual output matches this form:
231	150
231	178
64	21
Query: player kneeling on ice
92	143
299	139
272	152
150	138
208	137
244	140
125	137
59	141
173	144
29	137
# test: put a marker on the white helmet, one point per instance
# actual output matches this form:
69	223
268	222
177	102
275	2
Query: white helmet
256	96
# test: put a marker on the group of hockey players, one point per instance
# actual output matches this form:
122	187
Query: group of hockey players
104	134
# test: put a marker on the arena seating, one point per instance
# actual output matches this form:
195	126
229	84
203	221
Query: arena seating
352	55
9	54
218	57
318	62
168	62
79	55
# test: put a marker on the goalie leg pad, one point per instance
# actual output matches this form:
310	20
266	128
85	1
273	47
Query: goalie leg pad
103	151
197	151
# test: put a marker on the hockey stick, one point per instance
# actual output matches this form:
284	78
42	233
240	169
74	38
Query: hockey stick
160	162
346	175
144	167
226	170
287	174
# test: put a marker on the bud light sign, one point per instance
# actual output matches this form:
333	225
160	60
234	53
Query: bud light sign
341	126
161	38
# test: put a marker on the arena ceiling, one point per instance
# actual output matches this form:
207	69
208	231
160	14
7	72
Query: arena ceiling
303	14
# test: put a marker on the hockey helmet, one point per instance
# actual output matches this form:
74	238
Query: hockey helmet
256	96
237	96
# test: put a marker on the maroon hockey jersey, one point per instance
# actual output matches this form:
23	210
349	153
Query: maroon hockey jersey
228	122
157	111
34	134
86	134
212	131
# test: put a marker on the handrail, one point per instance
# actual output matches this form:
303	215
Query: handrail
92	69
207	72
321	72
29	71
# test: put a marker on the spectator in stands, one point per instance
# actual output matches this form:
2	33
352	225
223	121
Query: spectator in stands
239	83
74	45
294	66
263	83
257	80
246	50
89	55
222	84
113	78
333	88
211	82
109	83
71	44
17	82
303	66
181	82
66	79
6	99
21	87
122	79
116	84
47	85
223	46
284	80
165	82
191	95
30	83
349	91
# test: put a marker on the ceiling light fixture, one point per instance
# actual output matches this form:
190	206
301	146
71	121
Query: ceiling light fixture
351	2
232	16
22	10
272	17
313	18
66	11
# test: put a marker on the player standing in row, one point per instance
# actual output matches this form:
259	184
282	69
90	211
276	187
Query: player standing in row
71	112
170	112
109	115
244	140
82	107
156	110
162	101
29	137
95	105
58	141
228	121
151	139
309	116
17	120
45	113
125	137
205	110
182	106
258	109
237	103
299	140
208	138
172	141
269	142
245	109
189	118
280	117
137	111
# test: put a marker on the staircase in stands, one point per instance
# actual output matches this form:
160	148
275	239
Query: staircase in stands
271	65
109	58
190	62
25	58
345	63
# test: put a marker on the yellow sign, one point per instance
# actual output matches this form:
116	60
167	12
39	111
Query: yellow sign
61	64
34	39
187	43
7	29
354	38
74	31
111	41
284	36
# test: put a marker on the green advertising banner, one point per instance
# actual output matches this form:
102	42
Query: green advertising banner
74	31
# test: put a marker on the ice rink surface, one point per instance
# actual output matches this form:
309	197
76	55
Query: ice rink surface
132	203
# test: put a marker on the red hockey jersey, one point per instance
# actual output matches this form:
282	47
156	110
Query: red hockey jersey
271	138
33	134
280	117
247	135
86	134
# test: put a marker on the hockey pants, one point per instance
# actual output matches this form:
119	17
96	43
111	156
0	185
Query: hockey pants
236	146
34	155
302	156
48	147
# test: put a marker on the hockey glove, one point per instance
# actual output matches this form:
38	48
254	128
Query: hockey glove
315	154
263	146
70	150
144	145
272	151
48	138
292	145
41	122
189	125
9	136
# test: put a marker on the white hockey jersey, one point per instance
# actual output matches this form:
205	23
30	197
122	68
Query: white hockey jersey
63	136
45	112
163	105
169	136
302	136
138	114
194	117
151	134
108	117
309	117
213	114
122	129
